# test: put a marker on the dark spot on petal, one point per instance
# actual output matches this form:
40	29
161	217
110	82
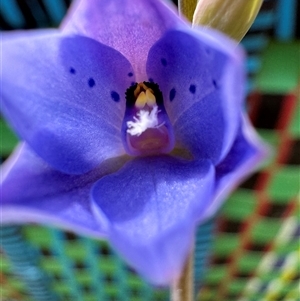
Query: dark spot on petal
164	61
130	74
133	83
192	89
151	80
115	96
208	51
91	82
215	83
72	70
172	94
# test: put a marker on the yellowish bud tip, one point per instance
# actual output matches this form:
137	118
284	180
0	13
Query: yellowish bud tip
187	8
232	17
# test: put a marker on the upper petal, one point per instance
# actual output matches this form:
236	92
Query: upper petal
31	191
65	95
202	82
150	207
129	26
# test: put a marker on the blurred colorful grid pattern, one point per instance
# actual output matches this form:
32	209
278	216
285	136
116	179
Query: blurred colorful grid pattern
254	252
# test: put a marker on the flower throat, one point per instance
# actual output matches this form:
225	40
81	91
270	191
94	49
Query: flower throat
146	126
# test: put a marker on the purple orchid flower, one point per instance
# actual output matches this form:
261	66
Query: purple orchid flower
133	129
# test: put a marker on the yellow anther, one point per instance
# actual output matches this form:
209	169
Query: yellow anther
151	100
143	86
141	100
137	91
144	96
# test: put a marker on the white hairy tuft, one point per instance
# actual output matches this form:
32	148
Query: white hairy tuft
143	121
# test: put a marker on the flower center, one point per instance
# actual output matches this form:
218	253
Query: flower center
146	126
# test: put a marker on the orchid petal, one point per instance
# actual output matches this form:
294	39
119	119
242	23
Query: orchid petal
129	26
245	156
150	207
31	191
200	79
66	97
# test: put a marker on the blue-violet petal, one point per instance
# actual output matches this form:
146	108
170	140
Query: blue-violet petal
59	94
129	26
245	156
32	191
201	90
150	207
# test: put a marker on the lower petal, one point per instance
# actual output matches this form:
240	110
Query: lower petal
31	191
150	208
